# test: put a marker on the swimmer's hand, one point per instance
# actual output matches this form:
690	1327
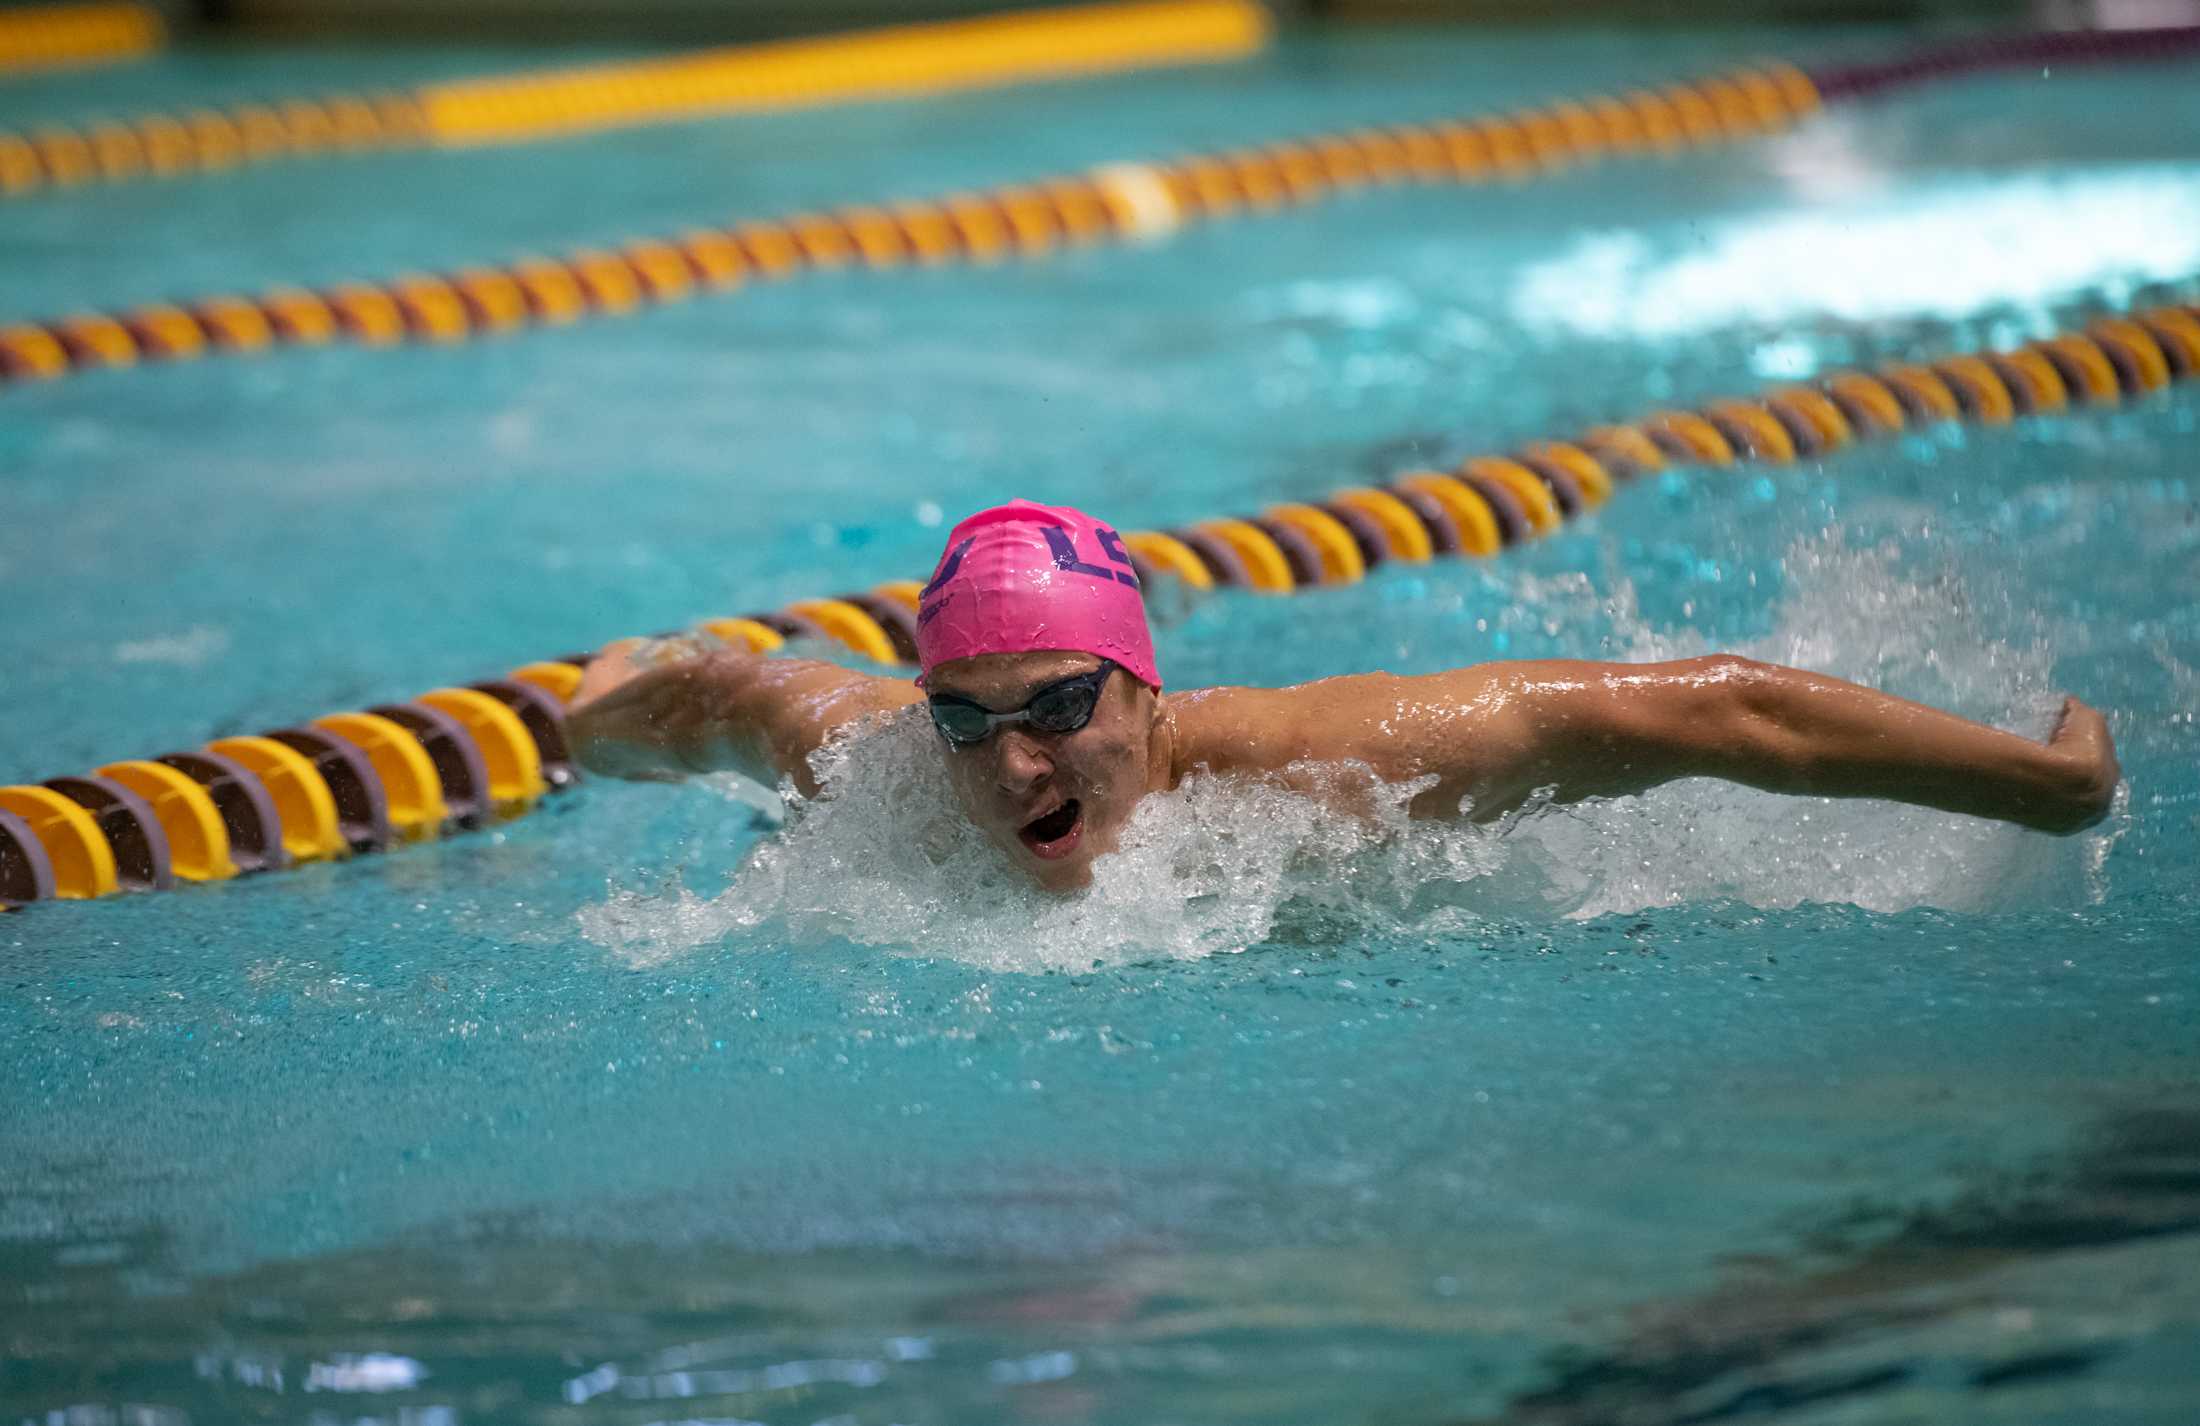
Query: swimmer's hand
613	665
2085	754
617	721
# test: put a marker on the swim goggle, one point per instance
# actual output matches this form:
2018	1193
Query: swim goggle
1063	706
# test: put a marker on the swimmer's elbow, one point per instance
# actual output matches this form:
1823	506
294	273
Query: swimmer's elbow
1750	721
1718	715
653	728
1735	671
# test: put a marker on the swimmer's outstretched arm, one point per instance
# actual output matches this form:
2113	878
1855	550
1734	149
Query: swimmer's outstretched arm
1498	732
718	712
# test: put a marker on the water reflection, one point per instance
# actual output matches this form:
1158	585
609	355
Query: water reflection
2023	1286
1962	1298
370	1371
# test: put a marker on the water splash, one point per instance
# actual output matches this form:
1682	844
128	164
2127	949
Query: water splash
1957	249
1851	613
1220	864
884	857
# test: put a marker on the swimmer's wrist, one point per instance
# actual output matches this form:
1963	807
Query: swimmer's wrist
2074	791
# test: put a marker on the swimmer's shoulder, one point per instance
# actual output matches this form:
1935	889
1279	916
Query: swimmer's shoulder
802	703
810	686
889	694
867	699
1234	729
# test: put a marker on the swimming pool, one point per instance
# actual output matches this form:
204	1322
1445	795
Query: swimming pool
1711	1107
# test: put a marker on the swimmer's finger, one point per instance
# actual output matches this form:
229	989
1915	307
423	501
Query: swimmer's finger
2080	726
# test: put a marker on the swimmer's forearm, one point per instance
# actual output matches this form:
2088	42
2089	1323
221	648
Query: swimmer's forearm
1500	734
665	724
1786	730
726	712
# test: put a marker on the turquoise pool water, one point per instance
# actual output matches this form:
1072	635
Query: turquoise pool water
1705	1108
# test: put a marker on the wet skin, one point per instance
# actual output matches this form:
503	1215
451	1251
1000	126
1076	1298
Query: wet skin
1486	738
1020	782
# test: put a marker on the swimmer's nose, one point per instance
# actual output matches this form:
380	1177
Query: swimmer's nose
1019	764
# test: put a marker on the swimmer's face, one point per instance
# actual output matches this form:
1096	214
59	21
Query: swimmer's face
1051	801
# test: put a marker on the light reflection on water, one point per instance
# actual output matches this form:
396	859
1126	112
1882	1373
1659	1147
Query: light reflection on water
1999	1289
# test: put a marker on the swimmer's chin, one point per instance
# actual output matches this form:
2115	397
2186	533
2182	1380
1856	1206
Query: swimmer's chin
1052	878
1065	877
1073	882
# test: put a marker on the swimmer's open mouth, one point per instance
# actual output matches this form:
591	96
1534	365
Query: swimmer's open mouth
1057	833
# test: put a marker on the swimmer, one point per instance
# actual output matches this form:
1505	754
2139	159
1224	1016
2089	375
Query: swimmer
1039	676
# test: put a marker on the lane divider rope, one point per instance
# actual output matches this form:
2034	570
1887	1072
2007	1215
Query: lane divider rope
893	62
1116	201
1981	53
54	36
1113	202
204	140
900	60
456	758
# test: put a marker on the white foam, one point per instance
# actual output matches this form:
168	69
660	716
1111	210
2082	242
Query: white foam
1850	614
193	648
1953	250
884	858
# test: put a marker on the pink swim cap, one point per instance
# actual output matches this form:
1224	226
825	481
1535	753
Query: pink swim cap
1024	577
